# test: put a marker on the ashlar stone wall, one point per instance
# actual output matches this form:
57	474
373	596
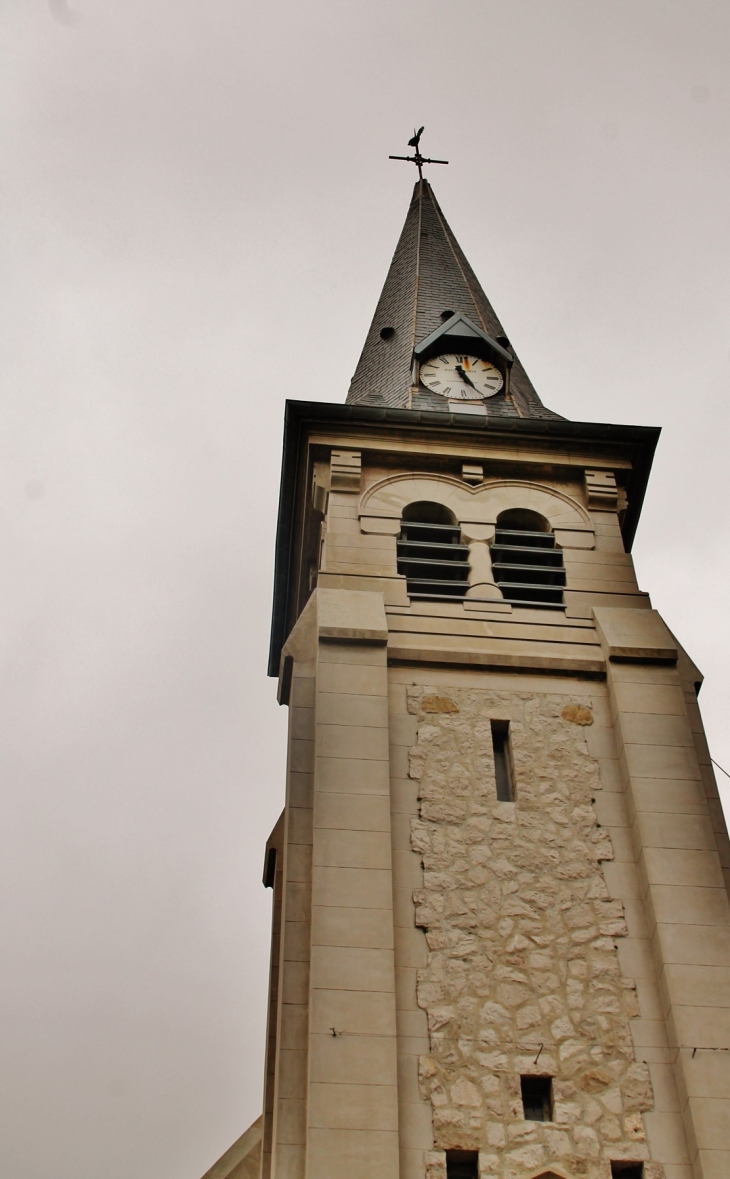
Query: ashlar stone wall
523	974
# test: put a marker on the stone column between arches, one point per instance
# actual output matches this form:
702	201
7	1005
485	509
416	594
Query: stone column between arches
482	586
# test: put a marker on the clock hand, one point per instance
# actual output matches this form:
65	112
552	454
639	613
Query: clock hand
464	376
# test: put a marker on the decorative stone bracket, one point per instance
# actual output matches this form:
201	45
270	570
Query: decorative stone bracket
472	473
345	470
601	490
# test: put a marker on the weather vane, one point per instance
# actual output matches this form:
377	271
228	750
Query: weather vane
417	159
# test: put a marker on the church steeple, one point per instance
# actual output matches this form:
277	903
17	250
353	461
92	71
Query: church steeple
490	947
429	275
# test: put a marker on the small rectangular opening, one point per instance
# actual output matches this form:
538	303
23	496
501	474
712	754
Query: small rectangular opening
462	1164
627	1171
502	760
537	1098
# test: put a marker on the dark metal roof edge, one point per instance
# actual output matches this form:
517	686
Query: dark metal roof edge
302	413
338	412
284	524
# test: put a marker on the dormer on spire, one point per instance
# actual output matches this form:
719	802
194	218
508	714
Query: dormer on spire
459	333
430	286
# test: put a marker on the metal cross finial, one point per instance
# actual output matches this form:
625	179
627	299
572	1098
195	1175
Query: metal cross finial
417	158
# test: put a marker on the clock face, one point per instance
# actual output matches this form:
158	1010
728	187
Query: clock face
461	378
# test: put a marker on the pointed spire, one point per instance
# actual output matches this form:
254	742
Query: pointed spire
429	276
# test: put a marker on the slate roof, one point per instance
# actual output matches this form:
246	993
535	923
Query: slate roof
429	274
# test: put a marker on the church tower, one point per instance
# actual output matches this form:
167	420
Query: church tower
501	930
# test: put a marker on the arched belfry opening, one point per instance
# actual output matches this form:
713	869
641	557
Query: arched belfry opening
430	552
523	520
425	512
527	564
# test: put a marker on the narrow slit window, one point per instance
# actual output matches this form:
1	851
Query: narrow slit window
537	1098
502	761
627	1170
462	1164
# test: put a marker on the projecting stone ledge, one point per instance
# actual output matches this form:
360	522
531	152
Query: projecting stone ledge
351	616
637	636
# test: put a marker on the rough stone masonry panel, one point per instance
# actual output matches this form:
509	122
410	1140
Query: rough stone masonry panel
522	973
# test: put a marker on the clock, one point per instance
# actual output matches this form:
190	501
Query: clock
461	378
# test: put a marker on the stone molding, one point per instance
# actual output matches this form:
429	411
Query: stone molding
382	505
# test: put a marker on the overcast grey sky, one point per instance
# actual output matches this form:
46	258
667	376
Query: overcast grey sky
197	214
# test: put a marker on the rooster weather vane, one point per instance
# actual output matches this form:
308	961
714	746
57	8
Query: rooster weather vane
417	158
